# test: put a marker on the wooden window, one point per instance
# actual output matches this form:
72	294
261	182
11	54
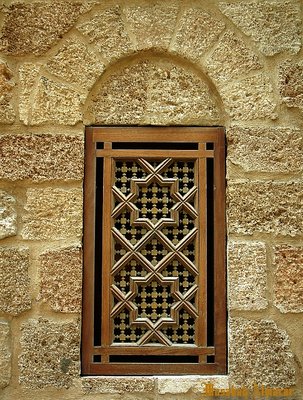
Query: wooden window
154	298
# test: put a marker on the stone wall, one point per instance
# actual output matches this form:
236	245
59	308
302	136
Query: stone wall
64	65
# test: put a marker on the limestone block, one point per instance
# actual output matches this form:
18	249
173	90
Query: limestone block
107	32
197	31
152	26
288	284
291	83
250	98
7	113
52	213
195	384
259	353
231	59
268	207
14	280
41	157
5	355
274	26
8	215
56	103
61	278
111	384
247	276
37	26
28	77
277	149
49	354
76	64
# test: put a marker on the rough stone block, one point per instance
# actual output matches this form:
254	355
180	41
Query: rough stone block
14	280
107	32
247	276
111	384
76	64
288	284
250	98
7	113
152	26
5	355
231	59
36	27
41	157
268	207
277	149
52	213
291	83
197	31
8	215
56	103
49	354
260	354
273	25
28	75
61	278
185	384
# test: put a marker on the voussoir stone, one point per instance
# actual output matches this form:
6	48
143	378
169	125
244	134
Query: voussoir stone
231	58
14	280
247	276
250	98
49	354
152	26
197	31
76	64
5	354
112	384
52	213
41	157
291	83
277	149
61	278
268	207
274	26
259	354
36	27
8	215
107	32
288	283
7	113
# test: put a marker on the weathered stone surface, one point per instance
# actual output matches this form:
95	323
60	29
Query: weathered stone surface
259	353
8	215
107	32
28	75
41	157
250	98
35	27
197	31
154	92
247	276
56	103
76	64
61	278
269	207
14	280
152	26
291	83
7	113
111	384
185	384
52	213
273	25
49	354
275	149
5	355
231	59
288	284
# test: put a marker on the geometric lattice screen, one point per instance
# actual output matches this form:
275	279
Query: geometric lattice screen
154	244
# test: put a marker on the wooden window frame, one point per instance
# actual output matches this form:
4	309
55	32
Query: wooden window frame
203	351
